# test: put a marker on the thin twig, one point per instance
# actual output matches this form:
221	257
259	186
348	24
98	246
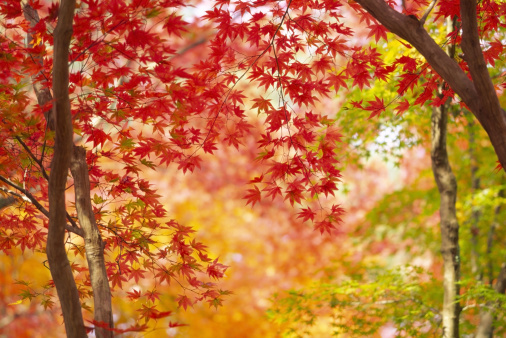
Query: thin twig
426	14
40	207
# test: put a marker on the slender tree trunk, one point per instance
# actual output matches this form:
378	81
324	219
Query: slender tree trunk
79	169
92	243
447	186
56	253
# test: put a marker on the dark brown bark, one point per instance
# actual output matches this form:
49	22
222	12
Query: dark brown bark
89	230
56	253
6	201
92	243
478	94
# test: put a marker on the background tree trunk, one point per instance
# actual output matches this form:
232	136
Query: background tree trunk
447	186
449	225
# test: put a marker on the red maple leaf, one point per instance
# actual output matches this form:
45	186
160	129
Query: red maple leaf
253	196
306	214
376	107
184	301
378	31
402	107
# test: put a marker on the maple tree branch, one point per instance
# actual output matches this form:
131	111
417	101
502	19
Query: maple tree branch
195	44
15	194
426	14
6	201
477	94
493	117
410	29
474	56
42	91
28	197
39	162
44	173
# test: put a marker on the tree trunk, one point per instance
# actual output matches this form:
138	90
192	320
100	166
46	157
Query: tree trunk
447	186
92	243
89	230
56	253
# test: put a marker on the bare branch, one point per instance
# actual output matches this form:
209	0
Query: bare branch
41	88
427	12
28	197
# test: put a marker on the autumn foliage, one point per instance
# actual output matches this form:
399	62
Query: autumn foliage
165	85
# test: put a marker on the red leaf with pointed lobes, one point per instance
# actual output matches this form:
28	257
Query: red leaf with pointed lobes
171	324
134	295
184	301
294	192
378	31
216	270
152	295
498	167
158	315
323	64
376	107
324	226
306	214
402	107
262	104
253	196
175	25
273	190
337	81
117	279
257	179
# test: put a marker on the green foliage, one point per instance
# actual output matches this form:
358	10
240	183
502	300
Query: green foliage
404	298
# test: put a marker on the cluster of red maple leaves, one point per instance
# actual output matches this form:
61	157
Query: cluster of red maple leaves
135	103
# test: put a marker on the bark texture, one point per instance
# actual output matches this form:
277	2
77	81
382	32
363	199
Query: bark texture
478	94
56	253
447	186
89	230
6	201
449	225
92	243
